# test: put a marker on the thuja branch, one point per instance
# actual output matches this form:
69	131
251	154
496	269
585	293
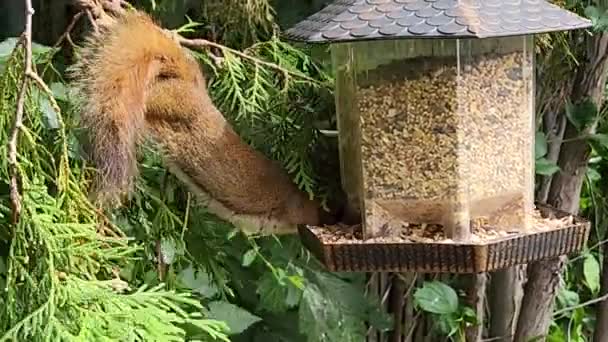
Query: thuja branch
26	42
203	43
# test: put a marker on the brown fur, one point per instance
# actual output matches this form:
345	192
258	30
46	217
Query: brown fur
135	80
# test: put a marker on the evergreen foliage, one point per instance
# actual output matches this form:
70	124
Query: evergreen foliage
161	268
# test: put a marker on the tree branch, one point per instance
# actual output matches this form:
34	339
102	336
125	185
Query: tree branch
15	174
581	305
68	30
203	43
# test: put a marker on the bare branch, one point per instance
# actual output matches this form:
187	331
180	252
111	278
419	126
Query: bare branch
68	30
95	11
582	256
34	76
26	42
581	305
203	43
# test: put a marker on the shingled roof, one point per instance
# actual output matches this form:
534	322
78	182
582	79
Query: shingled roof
350	20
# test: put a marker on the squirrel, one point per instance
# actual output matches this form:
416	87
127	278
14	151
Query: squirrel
135	81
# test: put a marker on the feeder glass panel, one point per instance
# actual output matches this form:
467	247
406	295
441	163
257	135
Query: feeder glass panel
437	131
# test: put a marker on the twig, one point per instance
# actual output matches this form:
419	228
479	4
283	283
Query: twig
201	43
161	262
497	338
69	28
411	286
34	76
581	256
409	334
90	5
186	215
26	41
581	305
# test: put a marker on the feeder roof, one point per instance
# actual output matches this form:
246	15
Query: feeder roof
352	20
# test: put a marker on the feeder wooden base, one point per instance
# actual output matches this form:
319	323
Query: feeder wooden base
447	257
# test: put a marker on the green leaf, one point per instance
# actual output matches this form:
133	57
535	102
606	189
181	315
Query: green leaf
198	281
568	298
49	115
592	12
238	319
273	295
556	334
601	138
545	167
469	315
60	91
6	48
8	45
540	145
436	297
583	114
381	320
591	270
447	324
249	257
294	294
593	174
39	49
322	320
598	16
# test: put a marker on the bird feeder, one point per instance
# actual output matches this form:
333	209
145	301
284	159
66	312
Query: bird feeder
435	107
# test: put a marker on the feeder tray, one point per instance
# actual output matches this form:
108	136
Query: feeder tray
449	257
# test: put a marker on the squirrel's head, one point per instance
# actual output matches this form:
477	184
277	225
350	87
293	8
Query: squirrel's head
301	209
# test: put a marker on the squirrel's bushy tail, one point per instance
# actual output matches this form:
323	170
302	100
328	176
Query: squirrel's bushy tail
111	78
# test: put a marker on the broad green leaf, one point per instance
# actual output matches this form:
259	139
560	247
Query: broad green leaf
567	298
322	320
592	12
556	334
436	297
540	145
583	114
249	257
273	295
446	324
6	48
598	16
198	281
601	138
39	49
238	319
60	91
469	315
593	174
50	116
545	167
8	45
347	296
294	294
591	270
380	320
151	277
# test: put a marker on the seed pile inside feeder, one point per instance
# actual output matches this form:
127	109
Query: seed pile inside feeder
437	138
